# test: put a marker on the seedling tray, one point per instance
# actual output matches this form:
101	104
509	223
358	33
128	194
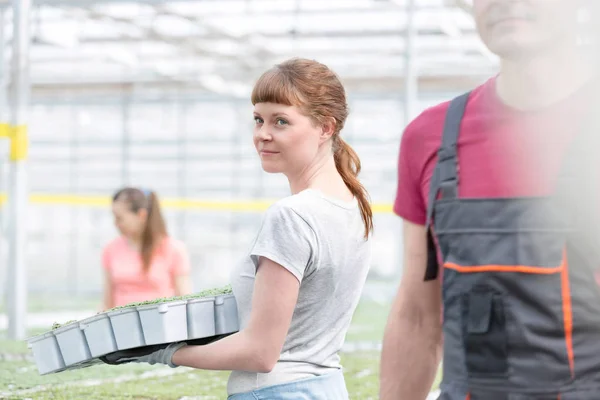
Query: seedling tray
197	319
72	344
127	328
201	318
99	335
46	353
164	322
226	315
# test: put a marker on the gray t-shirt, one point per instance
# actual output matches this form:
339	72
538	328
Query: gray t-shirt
321	241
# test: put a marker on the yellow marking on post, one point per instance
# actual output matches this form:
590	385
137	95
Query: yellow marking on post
19	143
169	203
4	130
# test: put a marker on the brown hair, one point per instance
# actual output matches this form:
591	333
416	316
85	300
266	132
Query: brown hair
155	229
318	92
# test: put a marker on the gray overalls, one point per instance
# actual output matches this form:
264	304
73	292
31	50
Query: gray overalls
521	306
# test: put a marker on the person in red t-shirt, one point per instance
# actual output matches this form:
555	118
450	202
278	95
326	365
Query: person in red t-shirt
525	116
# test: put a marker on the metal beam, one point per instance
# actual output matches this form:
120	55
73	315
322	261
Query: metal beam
19	96
364	70
451	53
87	3
410	67
365	12
340	34
395	81
181	44
4	71
243	59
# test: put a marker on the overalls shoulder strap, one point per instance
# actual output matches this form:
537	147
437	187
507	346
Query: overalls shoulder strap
445	174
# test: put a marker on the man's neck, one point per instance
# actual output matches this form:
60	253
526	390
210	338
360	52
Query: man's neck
538	82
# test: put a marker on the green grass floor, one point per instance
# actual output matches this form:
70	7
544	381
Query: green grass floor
130	382
19	378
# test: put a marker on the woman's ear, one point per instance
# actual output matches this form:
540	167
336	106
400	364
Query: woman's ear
327	129
143	214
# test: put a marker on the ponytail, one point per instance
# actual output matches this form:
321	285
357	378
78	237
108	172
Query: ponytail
154	231
348	166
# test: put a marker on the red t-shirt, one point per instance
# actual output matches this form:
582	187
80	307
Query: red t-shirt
502	152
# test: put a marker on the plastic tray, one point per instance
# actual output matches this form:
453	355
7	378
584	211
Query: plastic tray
46	353
201	318
226	315
80	344
127	328
98	332
72	343
164	322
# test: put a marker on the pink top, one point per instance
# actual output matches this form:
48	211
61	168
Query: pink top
130	283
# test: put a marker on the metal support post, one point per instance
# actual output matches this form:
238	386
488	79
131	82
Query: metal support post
410	85
17	201
410	67
4	128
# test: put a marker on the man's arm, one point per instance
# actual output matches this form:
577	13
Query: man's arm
413	335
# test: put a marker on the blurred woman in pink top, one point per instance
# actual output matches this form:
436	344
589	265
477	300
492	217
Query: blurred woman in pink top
144	263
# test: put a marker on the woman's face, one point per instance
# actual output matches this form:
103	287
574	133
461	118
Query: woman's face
130	224
286	140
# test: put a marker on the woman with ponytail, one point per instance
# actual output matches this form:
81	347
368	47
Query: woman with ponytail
301	281
144	263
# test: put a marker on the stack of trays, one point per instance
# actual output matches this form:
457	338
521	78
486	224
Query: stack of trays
80	344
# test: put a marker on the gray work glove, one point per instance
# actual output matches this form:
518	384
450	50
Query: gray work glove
157	354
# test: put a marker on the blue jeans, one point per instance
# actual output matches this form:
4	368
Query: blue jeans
325	387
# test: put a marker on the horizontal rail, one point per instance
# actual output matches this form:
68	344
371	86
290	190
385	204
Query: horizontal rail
169	203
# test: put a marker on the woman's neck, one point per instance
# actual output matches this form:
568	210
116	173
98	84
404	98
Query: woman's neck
134	243
324	177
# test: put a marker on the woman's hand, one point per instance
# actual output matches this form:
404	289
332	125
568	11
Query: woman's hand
157	354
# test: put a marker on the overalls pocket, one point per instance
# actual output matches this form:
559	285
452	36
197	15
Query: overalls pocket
485	337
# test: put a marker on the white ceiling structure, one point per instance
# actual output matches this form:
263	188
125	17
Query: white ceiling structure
221	46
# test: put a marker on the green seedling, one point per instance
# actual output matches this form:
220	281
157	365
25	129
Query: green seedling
203	294
56	325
